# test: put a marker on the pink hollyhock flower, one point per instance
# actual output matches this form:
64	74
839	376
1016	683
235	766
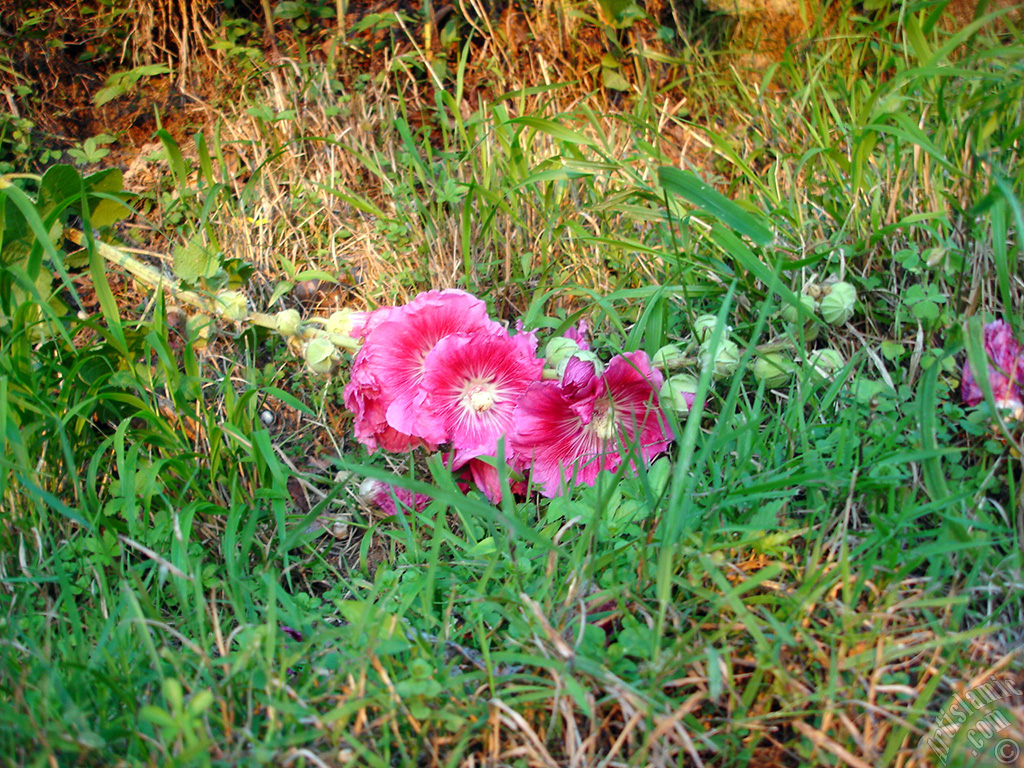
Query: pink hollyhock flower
484	476
387	497
471	384
574	428
388	369
1005	370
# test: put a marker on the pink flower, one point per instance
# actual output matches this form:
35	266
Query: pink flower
471	384
574	428
390	499
579	335
1005	370
388	369
484	475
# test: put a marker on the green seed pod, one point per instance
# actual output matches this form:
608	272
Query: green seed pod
790	313
233	305
320	354
558	349
677	392
826	363
727	358
288	322
774	369
668	356
703	327
838	305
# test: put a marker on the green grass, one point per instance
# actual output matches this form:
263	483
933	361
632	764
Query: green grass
805	579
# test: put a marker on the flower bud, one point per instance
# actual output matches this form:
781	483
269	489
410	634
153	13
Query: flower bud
826	363
727	358
583	354
668	356
288	322
320	354
558	349
677	392
774	369
342	322
838	305
791	314
703	327
233	305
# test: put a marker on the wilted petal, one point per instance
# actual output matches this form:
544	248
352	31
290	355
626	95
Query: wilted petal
391	499
1006	367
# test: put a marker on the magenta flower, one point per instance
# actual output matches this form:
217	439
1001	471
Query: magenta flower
1005	370
485	476
579	335
572	429
388	369
390	499
470	387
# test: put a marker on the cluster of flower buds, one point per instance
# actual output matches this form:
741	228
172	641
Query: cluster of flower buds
320	341
771	365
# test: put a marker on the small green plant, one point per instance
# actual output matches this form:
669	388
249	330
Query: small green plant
122	83
92	150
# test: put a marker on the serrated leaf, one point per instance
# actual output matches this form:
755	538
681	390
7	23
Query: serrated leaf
193	261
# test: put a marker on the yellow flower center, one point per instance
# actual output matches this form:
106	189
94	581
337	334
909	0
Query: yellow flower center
480	398
604	423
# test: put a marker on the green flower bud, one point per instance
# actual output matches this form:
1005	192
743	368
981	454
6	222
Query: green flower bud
288	322
558	349
774	369
668	356
790	313
340	323
677	392
583	354
727	358
826	363
233	305
838	305
703	327
320	355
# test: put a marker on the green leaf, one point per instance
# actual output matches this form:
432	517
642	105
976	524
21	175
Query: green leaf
290	400
193	262
613	79
157	716
59	183
553	129
690	187
104	204
174	157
